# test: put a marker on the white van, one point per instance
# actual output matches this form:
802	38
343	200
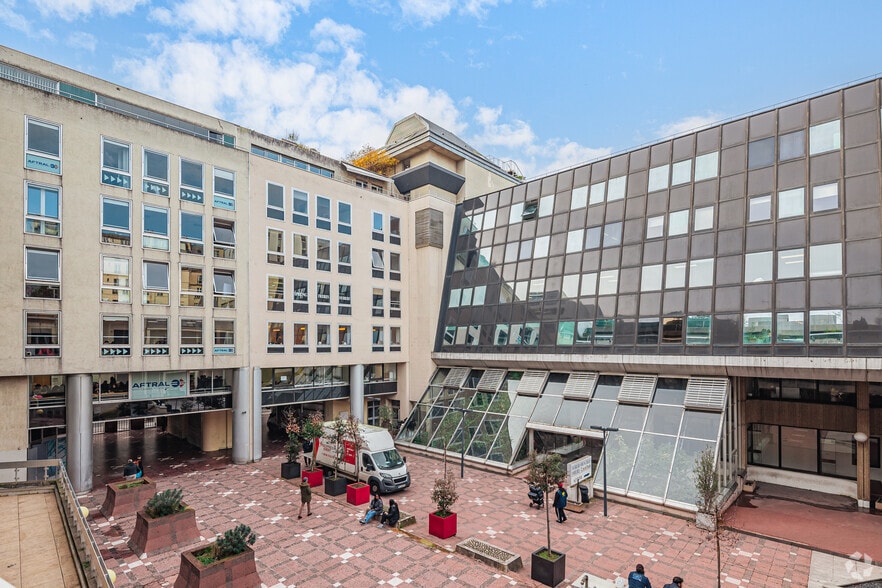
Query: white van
382	467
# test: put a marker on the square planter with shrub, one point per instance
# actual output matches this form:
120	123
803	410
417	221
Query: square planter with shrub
228	562
165	523
125	498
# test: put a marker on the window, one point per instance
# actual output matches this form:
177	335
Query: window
824	137
42	139
565	333
759	208
825	197
477	300
377	338
604	329
579	197
592	237
658	177
323	336
155	172
191	174
275	246
791	146
300	250
377	263
300	292
608	283
224	184
757	328
192	240
698	330
540	247
42	273
589	284
155	228
275	201
615	188
116	280
42	335
116	221
454	298
43	211
191	286
224	336
825	260
707	166
672	329
344	258
323	213
275	335
701	273
323	298
394	230
344	299
224	234
344	218
791	263
655	227
761	153
825	327
301	208
675	277
790	327
647	331
703	219
155	335
791	203
115	332
678	223
116	163
275	293
395	266
323	254
155	280
584	332
344	337
377	226
395	302
224	289
377	304
651	278
531	207
758	267
191	336
301	336
681	172
612	234
574	241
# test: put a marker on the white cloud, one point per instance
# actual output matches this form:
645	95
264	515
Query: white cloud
688	124
426	12
512	135
331	36
265	20
73	9
82	40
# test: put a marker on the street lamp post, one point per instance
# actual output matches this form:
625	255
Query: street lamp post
605	431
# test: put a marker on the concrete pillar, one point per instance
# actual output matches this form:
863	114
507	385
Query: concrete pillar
242	416
78	392
258	417
356	391
862	425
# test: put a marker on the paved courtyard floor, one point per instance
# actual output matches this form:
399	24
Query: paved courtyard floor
330	548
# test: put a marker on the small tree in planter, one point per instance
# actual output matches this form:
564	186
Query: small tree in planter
312	429
387	419
357	493
164	523
229	561
442	522
336	438
546	472
707	487
291	468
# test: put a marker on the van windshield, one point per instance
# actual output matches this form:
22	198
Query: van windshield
387	460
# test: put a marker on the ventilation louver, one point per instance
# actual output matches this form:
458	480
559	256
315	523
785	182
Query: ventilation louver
531	383
456	377
580	385
706	393
491	380
637	389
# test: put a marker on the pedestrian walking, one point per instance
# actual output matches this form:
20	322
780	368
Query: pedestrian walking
305	498
560	503
638	579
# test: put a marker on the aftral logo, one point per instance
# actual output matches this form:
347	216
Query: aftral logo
160	384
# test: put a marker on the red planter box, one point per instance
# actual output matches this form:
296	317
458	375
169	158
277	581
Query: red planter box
359	493
442	527
238	571
120	501
314	477
152	536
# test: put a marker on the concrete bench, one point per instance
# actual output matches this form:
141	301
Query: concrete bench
405	520
490	554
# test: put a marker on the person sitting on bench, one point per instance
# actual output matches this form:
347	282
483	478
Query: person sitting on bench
391	516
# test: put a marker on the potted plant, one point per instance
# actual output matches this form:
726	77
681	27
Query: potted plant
165	522
127	497
311	431
291	468
335	436
358	492
442	522
387	419
229	561
546	472
707	488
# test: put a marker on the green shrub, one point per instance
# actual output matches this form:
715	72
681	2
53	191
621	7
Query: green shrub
165	503
234	541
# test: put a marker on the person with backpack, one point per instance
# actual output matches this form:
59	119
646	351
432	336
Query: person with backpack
560	503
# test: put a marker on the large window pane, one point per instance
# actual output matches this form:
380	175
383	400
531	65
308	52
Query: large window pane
799	449
760	208
791	263
706	166
762	445
825	327
757	328
791	203
701	273
824	137
790	327
653	465
825	260
825	197
791	145
758	267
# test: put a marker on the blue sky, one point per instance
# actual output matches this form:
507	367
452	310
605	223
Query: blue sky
545	83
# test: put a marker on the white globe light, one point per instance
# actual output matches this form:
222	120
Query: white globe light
860	437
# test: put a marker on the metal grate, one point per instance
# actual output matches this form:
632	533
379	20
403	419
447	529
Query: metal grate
531	383
707	393
491	380
580	385
637	389
456	376
14	74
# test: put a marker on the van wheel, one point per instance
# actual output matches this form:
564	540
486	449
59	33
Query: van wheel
375	487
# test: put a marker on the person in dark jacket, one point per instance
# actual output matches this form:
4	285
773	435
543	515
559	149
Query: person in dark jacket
677	582
130	470
638	579
307	453
391	516
375	508
560	503
305	498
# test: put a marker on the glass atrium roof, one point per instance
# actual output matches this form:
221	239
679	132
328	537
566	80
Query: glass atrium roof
663	423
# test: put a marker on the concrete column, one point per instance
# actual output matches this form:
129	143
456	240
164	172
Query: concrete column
258	417
242	416
862	425
78	393
356	391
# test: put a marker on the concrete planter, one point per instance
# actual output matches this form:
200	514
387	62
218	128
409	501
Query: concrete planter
157	535
238	571
442	527
291	470
358	493
546	571
335	486
128	497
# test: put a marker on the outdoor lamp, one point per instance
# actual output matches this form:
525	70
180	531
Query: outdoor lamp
860	437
